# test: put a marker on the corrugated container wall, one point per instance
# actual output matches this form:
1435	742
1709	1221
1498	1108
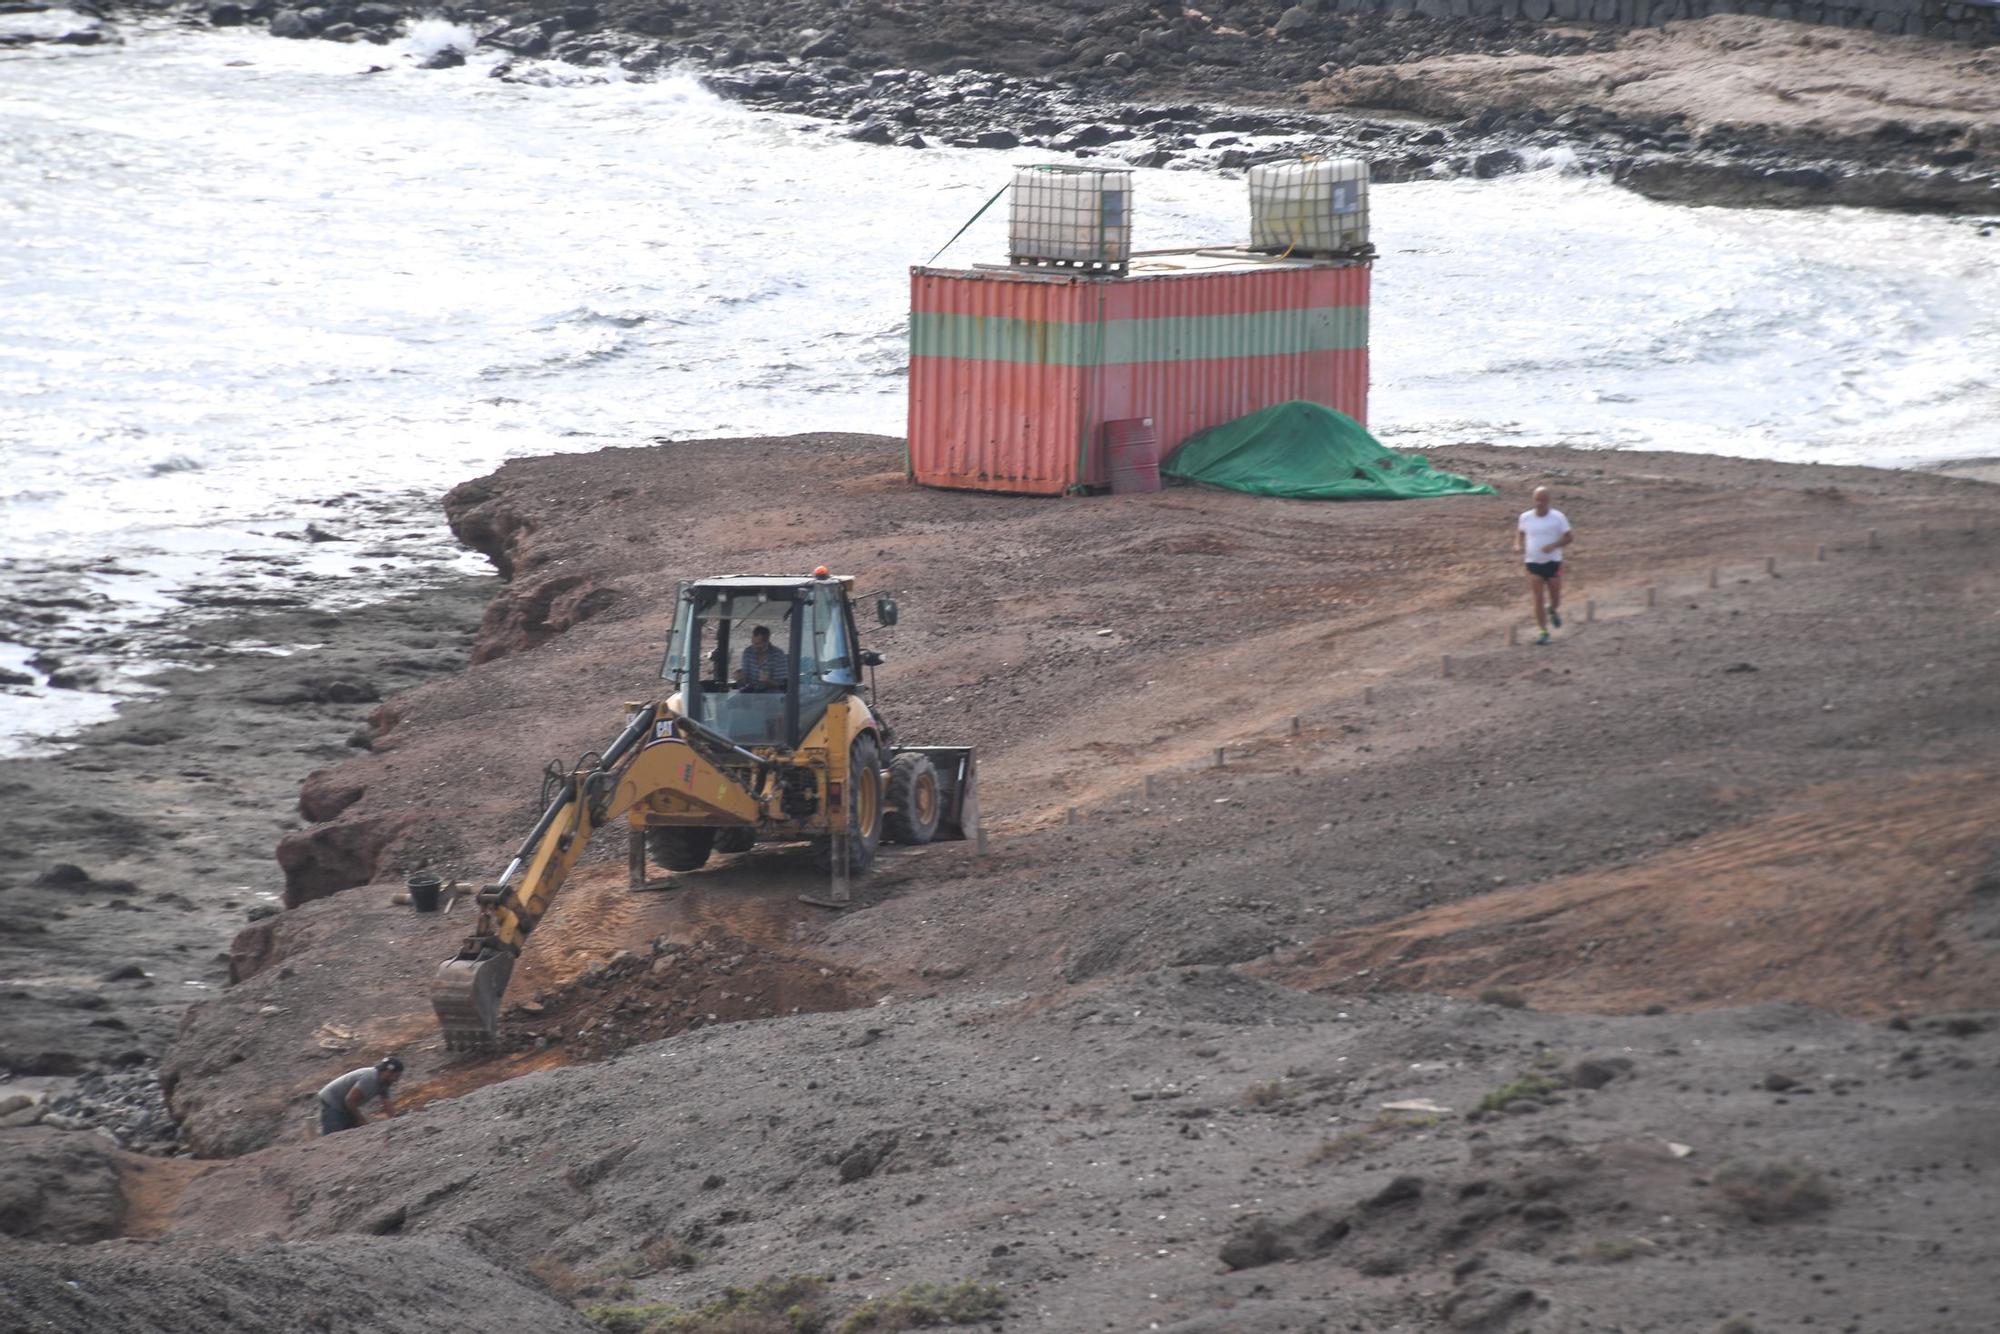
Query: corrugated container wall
1013	375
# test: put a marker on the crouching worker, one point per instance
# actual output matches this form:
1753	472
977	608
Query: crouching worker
340	1102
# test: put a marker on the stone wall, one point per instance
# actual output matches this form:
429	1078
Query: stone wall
1946	19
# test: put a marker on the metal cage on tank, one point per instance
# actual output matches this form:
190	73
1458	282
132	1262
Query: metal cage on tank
1310	208
1063	216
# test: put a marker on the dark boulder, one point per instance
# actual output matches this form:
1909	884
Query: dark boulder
226	15
1084	136
290	23
1295	22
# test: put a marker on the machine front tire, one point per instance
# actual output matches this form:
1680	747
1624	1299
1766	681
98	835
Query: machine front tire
864	810
915	801
680	849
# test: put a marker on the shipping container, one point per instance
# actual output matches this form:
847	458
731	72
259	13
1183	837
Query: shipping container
1015	373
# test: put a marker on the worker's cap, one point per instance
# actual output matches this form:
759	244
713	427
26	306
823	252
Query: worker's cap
388	1063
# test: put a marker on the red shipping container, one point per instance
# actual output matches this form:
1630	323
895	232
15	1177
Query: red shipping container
1014	372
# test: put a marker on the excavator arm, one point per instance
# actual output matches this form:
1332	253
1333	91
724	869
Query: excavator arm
468	987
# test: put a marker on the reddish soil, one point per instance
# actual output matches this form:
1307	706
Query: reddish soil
1845	899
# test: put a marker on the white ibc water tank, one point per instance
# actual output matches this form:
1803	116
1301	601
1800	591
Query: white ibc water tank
1310	208
1075	216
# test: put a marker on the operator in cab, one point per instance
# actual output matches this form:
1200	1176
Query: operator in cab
764	664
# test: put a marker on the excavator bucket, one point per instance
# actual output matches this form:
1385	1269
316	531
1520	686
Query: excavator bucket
466	995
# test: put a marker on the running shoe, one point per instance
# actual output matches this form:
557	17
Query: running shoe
1556	618
1542	638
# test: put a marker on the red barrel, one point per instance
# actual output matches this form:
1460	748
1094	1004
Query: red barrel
1133	448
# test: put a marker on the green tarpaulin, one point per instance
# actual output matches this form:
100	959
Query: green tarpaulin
1308	452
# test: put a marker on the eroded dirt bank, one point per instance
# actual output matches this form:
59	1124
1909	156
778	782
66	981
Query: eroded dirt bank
1725	790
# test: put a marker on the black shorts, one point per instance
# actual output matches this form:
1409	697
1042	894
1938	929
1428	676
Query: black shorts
1545	569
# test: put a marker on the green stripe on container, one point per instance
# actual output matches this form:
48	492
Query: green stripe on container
1130	342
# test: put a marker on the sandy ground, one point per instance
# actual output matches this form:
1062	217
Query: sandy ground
1734	827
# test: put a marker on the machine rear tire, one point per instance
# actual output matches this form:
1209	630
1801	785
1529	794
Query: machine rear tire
735	840
680	849
864	810
915	801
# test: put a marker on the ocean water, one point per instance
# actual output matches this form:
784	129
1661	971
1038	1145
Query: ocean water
249	284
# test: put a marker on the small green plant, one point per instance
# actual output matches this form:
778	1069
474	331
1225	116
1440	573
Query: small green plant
558	1276
926	1305
667	1253
629	1319
1351	1143
794	1305
1509	998
1770	1191
1270	1093
1527	1086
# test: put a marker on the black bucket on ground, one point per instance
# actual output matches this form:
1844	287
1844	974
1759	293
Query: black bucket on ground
425	890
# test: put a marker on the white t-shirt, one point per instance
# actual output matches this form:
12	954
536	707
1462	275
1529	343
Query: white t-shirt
1542	529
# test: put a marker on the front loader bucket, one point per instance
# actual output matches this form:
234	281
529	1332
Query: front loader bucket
466	995
958	772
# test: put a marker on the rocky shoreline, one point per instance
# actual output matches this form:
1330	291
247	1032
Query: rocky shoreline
139	848
1222	89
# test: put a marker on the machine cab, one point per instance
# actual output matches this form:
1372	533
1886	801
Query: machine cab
760	659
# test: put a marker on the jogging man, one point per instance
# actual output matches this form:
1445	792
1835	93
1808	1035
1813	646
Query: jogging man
1539	539
340	1101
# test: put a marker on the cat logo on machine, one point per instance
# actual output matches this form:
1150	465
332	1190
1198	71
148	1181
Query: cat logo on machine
663	729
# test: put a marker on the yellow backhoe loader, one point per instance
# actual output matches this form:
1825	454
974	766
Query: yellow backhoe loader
768	735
